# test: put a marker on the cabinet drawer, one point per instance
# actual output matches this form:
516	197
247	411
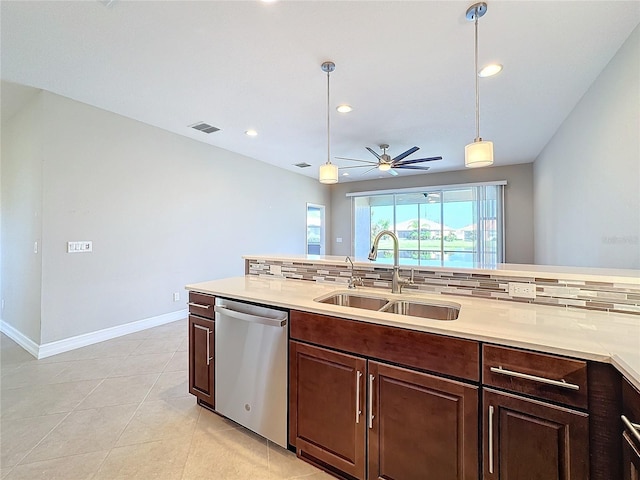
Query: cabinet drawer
201	304
631	414
548	377
425	351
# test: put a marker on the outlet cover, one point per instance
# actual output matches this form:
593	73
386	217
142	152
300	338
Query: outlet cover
522	290
176	296
275	269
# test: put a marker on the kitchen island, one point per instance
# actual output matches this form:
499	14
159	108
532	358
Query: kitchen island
590	349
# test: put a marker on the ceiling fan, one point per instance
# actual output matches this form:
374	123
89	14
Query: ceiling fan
387	164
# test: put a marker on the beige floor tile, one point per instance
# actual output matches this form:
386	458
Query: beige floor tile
184	345
162	419
158	345
31	373
227	455
163	459
37	400
169	385
84	431
76	467
210	422
13	354
141	364
284	464
170	330
178	363
90	369
120	391
18	436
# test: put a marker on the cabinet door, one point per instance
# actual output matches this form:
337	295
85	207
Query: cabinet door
327	408
421	427
201	358
630	459
529	440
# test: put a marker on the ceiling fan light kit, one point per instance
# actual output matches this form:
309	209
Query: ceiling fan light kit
480	152
328	172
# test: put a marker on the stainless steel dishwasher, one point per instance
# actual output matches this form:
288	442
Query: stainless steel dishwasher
251	367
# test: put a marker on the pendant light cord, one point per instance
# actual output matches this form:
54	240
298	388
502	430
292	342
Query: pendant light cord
328	123
478	139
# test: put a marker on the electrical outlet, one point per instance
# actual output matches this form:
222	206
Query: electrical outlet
176	296
275	269
522	290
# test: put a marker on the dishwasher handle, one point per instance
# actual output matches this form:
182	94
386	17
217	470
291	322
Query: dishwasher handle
247	317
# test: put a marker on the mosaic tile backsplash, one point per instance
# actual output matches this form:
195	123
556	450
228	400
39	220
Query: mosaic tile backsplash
602	296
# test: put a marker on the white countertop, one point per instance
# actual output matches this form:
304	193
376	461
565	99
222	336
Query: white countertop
586	334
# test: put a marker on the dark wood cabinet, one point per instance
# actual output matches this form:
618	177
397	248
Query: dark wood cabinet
345	409
631	432
526	439
201	348
421	426
327	418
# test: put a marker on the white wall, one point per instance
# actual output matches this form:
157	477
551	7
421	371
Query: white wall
161	210
518	204
22	219
587	178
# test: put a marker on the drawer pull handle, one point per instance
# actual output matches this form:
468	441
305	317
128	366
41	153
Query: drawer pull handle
490	439
634	428
209	357
534	378
371	416
358	410
199	305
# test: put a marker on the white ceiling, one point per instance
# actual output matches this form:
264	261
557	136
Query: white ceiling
405	66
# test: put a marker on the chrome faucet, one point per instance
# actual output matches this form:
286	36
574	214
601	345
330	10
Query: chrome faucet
396	282
353	281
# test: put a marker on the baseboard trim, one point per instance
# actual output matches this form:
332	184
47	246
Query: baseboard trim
20	338
79	341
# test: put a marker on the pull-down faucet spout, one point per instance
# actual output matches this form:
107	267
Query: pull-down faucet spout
396	281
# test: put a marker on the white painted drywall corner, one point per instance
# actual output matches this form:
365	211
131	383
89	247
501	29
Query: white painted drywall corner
587	178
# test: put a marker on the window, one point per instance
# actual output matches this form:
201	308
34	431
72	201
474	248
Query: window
315	229
456	225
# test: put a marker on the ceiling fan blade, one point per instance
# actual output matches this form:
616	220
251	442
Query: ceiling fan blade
355	166
371	169
356	160
417	160
406	154
393	172
411	167
377	156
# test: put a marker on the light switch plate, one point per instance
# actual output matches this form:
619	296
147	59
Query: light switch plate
84	246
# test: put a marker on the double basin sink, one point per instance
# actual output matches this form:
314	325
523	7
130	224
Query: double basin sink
399	306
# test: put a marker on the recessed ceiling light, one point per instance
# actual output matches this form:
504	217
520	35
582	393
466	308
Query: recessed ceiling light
344	108
251	133
490	70
345	174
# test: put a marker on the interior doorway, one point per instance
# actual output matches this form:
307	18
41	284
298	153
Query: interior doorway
315	229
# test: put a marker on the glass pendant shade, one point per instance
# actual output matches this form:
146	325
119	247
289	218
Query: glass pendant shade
478	154
328	173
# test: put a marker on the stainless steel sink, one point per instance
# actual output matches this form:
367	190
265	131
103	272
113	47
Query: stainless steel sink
415	308
367	302
400	306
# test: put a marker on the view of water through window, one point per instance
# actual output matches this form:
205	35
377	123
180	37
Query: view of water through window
444	227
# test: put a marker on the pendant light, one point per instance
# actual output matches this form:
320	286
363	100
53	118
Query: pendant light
328	172
480	152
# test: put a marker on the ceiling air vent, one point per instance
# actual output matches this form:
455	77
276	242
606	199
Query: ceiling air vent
204	127
302	165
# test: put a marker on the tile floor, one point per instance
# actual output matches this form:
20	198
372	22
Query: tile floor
121	409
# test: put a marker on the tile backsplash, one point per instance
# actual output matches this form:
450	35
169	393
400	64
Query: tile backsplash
602	296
